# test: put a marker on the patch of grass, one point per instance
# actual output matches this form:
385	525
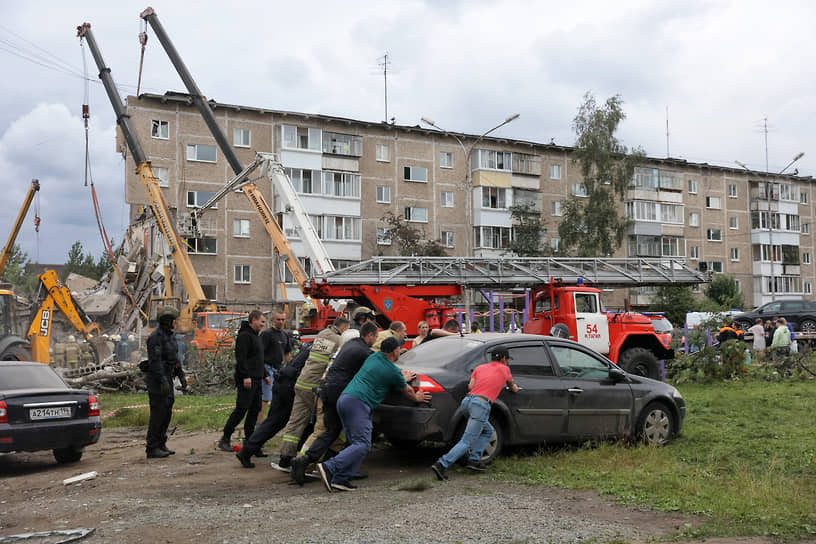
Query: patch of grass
190	412
416	484
746	462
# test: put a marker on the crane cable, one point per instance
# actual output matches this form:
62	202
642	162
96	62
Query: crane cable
89	177
143	41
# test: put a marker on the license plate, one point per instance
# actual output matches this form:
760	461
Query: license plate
54	412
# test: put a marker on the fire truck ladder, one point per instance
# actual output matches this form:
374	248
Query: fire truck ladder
515	272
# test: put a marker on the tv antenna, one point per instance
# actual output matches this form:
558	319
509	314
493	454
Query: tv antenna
384	63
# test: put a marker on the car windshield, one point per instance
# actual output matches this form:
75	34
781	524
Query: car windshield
438	351
224	321
29	377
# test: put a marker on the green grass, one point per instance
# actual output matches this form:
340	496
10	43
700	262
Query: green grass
745	462
192	413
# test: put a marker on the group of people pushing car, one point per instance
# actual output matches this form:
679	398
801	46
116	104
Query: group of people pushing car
339	379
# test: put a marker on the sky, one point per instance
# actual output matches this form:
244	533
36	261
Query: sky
715	69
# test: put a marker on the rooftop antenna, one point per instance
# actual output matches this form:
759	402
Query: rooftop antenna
384	63
668	155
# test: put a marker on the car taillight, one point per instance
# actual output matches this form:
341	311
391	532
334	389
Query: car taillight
3	412
93	406
427	384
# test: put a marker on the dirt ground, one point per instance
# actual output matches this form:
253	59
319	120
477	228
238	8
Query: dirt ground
203	495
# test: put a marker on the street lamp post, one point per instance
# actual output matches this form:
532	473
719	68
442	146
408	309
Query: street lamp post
467	151
768	192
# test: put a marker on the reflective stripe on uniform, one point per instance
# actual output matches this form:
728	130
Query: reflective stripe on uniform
305	385
320	357
290	438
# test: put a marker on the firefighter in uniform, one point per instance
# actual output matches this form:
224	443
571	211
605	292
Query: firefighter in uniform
162	356
324	346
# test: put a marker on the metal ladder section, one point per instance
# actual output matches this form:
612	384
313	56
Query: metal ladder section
476	272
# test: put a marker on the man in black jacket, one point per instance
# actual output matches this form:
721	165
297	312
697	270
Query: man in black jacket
249	373
162	356
346	364
283	397
277	347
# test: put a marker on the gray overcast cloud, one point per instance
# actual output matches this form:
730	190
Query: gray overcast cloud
720	68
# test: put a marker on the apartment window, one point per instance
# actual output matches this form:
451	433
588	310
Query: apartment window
554	243
196	199
160	129
163	175
555	171
556	208
415	173
305	263
713	202
240	228
692	187
383	152
342	144
414	214
494	197
714	235
445	159
656	246
302	138
732	190
383	236
525	163
803	198
446	198
336	227
733	223
492	160
202	246
240	137
579	189
447	238
341	184
201	152
383	194
792	223
805	228
715	266
241	273
735	254
789	192
646	210
694	252
305	181
492	237
808	288
806	257
694	219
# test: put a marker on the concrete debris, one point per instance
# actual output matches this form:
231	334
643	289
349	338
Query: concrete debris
80	478
72	534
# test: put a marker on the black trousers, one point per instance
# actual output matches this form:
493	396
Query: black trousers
283	396
247	404
161	410
332	422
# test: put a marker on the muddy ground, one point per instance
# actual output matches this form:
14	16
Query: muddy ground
203	495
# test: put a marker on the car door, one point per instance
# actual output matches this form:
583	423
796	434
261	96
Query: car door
592	326
540	407
597	405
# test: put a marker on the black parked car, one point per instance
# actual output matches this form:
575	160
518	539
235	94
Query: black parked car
569	393
801	314
38	411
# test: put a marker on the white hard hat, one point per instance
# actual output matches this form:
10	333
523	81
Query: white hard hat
71	338
131	338
115	337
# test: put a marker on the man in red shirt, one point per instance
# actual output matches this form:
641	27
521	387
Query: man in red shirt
486	383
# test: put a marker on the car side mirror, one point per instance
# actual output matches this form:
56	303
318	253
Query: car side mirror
616	374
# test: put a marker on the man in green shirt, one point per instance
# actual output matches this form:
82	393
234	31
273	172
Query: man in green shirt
365	392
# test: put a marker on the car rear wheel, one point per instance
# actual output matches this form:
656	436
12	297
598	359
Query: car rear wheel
807	325
494	445
641	362
71	454
656	424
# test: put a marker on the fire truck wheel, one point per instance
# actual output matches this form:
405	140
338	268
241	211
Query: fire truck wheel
655	425
641	362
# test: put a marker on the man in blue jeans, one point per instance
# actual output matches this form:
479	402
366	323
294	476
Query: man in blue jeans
486	383
366	391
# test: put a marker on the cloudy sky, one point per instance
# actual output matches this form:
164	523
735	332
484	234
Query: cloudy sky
719	67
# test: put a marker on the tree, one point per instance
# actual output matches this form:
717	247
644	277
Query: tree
591	223
15	267
675	301
528	231
411	240
82	263
723	290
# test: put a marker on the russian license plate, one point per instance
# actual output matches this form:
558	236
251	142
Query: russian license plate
52	412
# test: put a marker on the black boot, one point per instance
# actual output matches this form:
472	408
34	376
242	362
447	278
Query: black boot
157	453
245	457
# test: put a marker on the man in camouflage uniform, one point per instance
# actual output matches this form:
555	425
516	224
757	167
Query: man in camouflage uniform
324	346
